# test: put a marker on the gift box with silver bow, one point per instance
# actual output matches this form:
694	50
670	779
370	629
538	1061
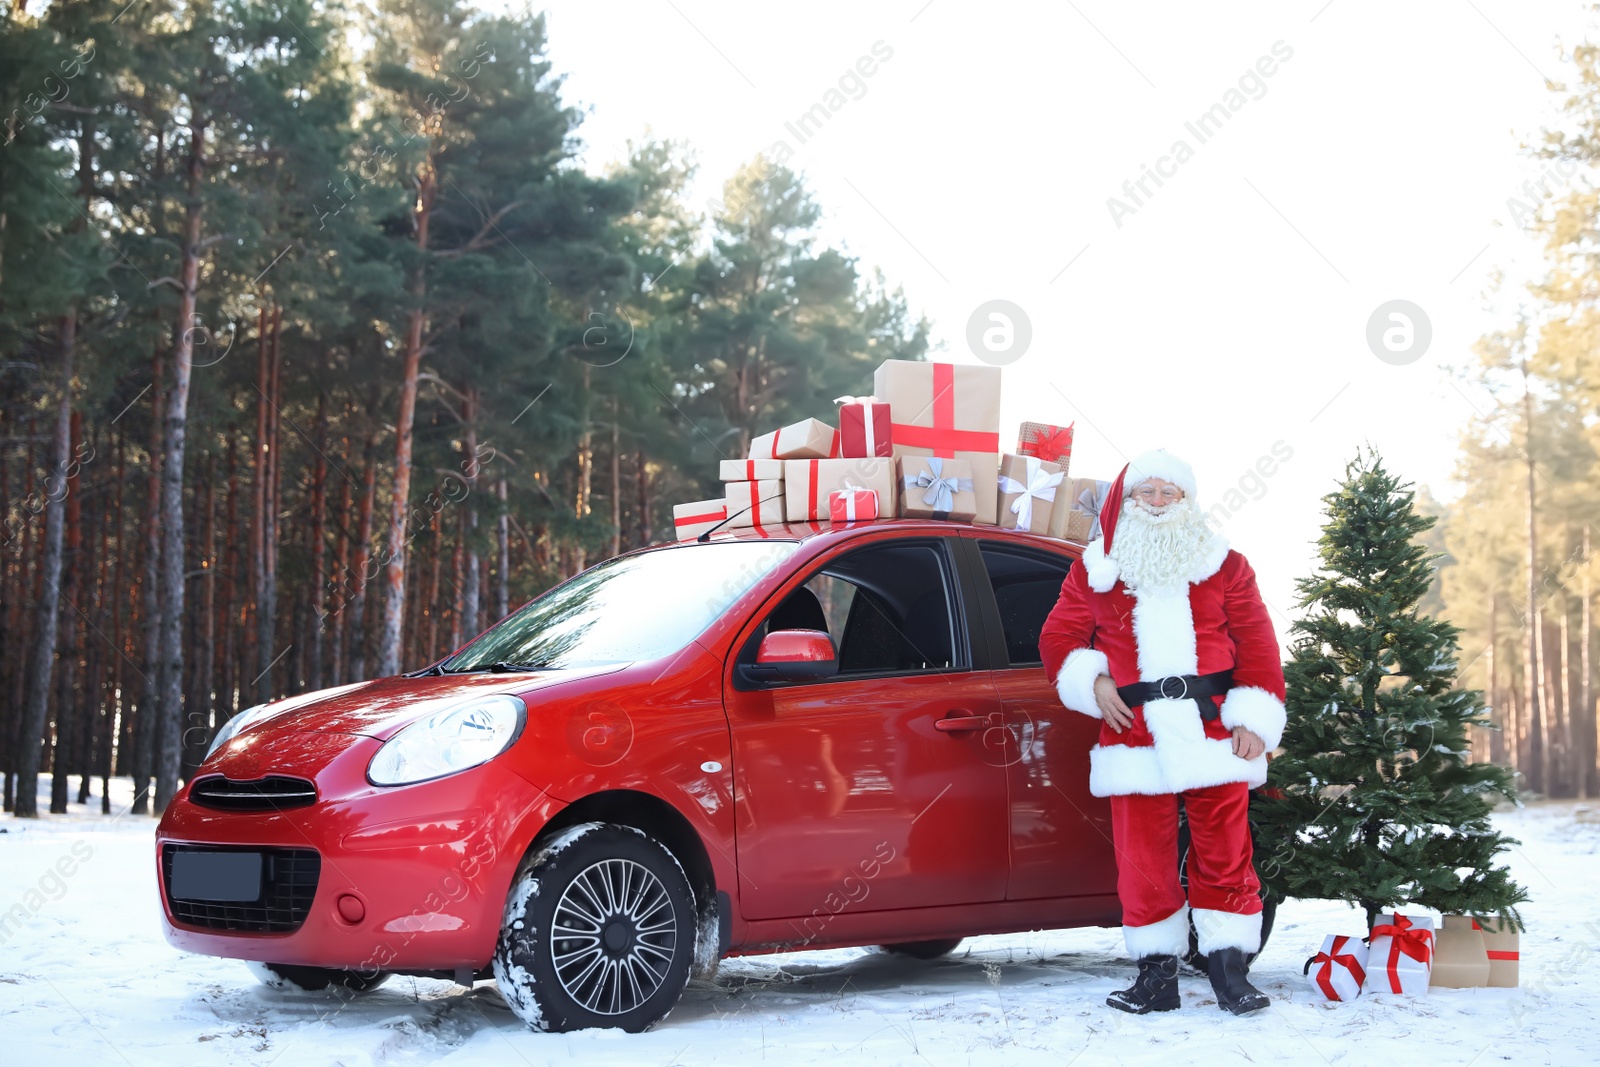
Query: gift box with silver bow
932	487
1028	491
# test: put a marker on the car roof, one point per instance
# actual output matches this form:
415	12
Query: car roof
819	534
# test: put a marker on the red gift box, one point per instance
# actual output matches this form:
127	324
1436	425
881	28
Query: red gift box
864	427
854	504
1053	444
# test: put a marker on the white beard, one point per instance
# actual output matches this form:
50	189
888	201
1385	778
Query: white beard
1161	548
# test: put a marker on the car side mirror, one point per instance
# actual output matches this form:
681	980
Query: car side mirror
793	656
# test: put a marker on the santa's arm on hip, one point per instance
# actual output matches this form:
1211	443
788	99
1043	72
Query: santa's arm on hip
1066	646
1255	703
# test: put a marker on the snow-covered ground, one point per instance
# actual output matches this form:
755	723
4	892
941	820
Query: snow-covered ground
87	978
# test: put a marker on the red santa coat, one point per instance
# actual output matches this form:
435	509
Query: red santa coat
1218	621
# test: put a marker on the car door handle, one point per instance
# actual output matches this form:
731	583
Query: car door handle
960	723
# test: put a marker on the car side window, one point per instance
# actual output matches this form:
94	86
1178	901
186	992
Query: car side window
1026	586
888	607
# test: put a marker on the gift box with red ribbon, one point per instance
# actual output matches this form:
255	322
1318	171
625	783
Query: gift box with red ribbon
1053	444
806	439
693	519
755	503
1401	957
852	504
750	470
951	412
864	427
810	481
1460	960
1500	941
1338	971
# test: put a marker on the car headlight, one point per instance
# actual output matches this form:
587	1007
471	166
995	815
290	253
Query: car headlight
231	728
450	740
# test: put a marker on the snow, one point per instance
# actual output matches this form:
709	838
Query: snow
86	975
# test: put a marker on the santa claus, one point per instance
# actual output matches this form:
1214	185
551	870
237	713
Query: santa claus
1161	633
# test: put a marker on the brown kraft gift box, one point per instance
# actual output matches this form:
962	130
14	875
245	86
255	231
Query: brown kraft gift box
1460	960
918	475
809	481
950	411
1045	499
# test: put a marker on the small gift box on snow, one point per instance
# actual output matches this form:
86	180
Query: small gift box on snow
806	439
1339	970
864	427
694	519
852	504
1500	940
1053	444
1460	960
1401	957
1028	490
755	503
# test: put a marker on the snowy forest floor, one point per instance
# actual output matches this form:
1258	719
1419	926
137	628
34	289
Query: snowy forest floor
88	978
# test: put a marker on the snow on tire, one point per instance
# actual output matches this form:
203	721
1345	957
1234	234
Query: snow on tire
599	930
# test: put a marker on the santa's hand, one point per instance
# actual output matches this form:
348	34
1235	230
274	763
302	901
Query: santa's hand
1247	745
1112	709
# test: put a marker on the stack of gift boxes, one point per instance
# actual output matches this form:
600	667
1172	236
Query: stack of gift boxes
926	444
1404	954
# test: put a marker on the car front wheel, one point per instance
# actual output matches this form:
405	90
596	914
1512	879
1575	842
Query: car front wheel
598	931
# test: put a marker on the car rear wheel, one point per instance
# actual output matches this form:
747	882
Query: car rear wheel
924	950
287	976
599	931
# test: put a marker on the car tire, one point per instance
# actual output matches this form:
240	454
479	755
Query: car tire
924	950
291	977
599	930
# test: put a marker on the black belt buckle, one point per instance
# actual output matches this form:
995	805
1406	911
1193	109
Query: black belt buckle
1183	684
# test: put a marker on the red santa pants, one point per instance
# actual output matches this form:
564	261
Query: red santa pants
1223	889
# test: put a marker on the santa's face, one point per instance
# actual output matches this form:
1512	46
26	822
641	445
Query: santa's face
1155	495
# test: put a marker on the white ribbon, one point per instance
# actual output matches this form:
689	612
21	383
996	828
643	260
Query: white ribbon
940	495
1039	485
869	434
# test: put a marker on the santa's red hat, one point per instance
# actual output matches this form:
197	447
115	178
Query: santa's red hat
1157	463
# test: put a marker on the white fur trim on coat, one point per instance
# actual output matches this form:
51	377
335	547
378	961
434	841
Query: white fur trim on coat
1225	929
1169	937
1075	683
1257	711
1100	570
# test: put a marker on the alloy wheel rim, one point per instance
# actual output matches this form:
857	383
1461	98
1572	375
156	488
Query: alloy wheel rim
613	936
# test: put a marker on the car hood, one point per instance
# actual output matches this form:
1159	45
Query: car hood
382	707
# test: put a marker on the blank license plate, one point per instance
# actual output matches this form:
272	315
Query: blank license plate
221	876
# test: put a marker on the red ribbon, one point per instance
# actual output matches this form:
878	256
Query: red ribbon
943	437
1050	446
1343	959
755	503
811	493
1405	939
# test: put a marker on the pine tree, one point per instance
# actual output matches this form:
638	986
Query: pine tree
1375	800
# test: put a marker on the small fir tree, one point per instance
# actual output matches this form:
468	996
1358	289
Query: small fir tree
1376	802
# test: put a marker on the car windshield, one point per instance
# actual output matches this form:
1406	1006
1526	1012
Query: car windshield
639	607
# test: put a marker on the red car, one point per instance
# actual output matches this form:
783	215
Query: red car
800	737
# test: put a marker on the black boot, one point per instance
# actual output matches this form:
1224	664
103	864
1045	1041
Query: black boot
1229	978
1156	988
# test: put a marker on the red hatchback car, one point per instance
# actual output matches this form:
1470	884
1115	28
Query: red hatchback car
774	739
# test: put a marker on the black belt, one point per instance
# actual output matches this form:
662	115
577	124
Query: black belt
1180	687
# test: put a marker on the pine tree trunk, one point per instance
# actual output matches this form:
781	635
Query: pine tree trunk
1564	760
502	581
432	596
471	615
228	683
400	492
360	564
118	709
1494	750
340	579
148	715
36	699
61	763
319	494
170	729
205	710
1532	681
1586	715
616	482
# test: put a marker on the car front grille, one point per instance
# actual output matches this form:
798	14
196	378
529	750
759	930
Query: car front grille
288	884
275	792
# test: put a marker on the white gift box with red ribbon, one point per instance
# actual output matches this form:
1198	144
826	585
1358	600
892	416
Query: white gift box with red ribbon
1340	969
695	518
757	503
806	439
1401	957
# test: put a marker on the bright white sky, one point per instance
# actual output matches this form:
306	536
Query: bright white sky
1229	312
